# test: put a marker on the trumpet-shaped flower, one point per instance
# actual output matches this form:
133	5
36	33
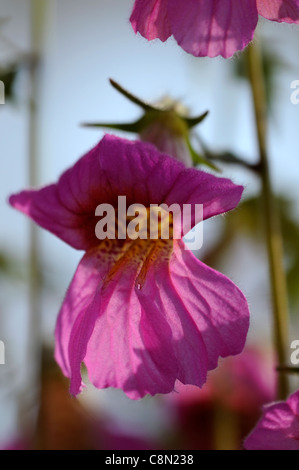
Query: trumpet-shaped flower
209	27
139	313
278	429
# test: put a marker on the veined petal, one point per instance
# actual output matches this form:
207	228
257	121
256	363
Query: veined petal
210	305
117	167
47	210
214	27
138	170
199	315
146	176
217	195
279	10
149	18
136	352
103	323
67	208
114	167
141	316
278	429
81	293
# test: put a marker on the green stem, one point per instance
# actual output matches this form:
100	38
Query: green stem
30	397
37	25
288	370
271	215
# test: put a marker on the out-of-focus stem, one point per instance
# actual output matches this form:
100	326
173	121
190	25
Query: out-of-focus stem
30	400
271	215
288	370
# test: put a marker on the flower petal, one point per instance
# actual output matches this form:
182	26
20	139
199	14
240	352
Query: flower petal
117	167
80	295
131	346
215	308
138	170
142	338
103	323
147	177
87	304
279	10
67	209
114	167
149	18
278	429
217	195
214	27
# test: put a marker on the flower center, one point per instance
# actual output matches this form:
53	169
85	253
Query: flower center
148	242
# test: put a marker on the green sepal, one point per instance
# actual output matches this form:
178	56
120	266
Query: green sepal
192	122
134	99
200	159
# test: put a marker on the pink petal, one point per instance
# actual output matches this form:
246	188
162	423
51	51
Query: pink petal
138	170
92	268
119	167
45	208
206	303
279	10
131	345
114	167
141	339
278	429
149	18
104	324
217	195
67	209
147	177
214	27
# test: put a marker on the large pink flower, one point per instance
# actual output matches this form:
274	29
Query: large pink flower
279	427
209	27
140	314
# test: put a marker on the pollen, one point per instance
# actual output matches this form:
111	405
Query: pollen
153	245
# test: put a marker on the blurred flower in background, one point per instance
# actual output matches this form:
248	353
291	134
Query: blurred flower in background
218	416
279	427
217	27
222	414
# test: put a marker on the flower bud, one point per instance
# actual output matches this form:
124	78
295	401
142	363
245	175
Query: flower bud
166	125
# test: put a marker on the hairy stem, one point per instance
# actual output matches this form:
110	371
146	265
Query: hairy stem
271	215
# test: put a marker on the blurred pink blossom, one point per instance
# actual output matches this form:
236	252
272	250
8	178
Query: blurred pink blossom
209	28
279	427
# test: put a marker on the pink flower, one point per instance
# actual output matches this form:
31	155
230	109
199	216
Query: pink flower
236	390
139	313
279	427
209	27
